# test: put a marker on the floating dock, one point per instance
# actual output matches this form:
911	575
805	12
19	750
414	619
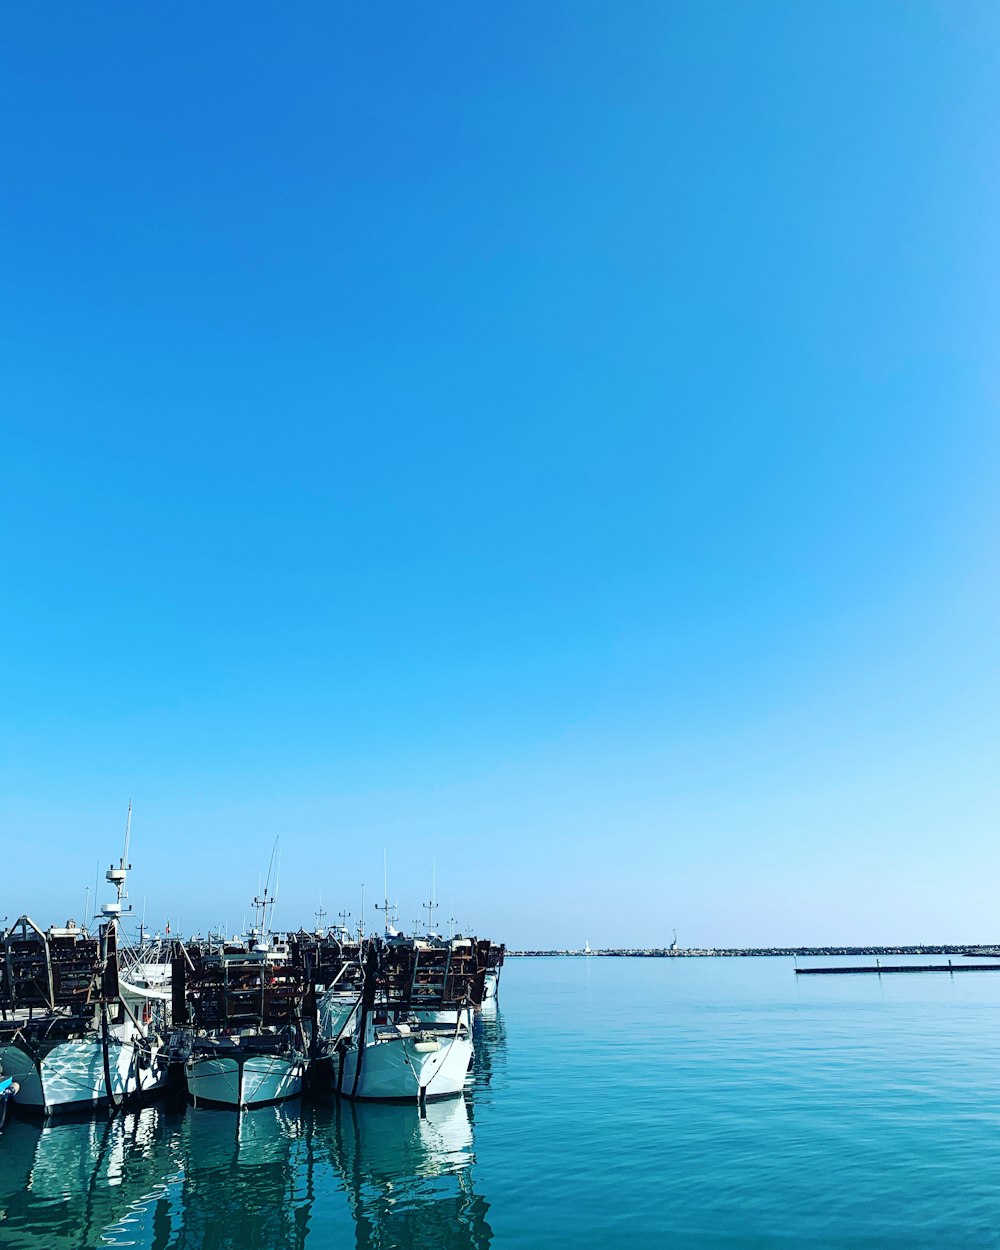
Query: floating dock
880	968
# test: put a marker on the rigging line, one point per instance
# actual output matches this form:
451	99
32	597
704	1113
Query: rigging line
458	1025
128	835
270	865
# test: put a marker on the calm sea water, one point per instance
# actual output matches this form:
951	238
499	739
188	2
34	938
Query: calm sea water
697	1104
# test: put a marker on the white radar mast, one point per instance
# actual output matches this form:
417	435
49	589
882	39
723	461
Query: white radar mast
117	876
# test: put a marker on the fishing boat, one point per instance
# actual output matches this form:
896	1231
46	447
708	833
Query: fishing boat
74	1034
332	966
412	1036
240	1031
405	1060
250	1068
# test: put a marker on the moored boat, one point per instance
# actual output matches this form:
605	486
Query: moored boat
240	1029
405	1060
250	1069
413	1037
73	1034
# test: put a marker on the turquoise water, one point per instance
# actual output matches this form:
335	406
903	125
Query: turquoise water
691	1103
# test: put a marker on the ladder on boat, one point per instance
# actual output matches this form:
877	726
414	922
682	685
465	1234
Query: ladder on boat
429	983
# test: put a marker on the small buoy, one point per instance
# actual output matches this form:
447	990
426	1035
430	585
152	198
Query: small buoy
426	1046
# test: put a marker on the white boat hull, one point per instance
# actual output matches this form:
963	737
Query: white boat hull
449	1017
243	1081
70	1076
402	1069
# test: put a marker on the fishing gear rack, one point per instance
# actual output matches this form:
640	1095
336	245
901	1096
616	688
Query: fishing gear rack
438	976
323	960
50	971
236	987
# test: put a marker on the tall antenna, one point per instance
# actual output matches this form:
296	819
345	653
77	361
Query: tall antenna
432	904
319	913
261	903
386	907
361	918
344	917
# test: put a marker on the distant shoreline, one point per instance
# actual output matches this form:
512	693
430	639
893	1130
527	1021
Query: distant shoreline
983	951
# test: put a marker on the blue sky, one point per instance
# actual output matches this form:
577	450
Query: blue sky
558	442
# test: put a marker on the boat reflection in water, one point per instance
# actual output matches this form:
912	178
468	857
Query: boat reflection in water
273	1178
490	1055
409	1176
79	1183
287	1176
243	1180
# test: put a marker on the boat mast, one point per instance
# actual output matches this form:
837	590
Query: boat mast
387	909
432	904
110	986
263	901
117	877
